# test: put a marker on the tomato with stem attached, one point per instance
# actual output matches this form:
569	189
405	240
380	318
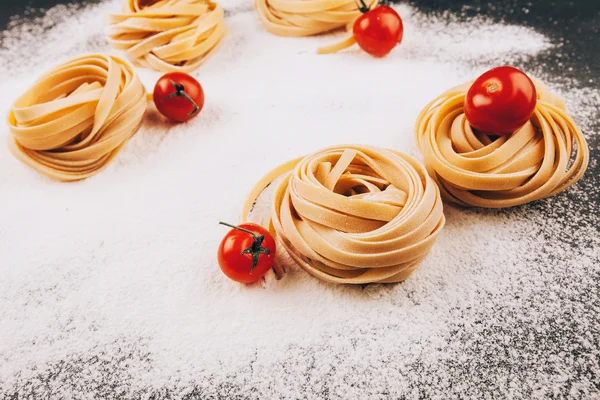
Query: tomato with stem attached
178	96
378	30
500	101
246	252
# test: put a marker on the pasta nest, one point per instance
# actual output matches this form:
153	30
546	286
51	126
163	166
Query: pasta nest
74	120
542	158
168	35
306	17
356	214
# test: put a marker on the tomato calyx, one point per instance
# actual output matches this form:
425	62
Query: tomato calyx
255	249
363	7
180	92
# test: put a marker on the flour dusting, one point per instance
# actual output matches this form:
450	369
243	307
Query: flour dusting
110	286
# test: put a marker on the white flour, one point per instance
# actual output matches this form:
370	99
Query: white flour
111	285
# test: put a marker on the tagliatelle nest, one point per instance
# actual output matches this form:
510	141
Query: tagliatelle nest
168	35
74	120
355	214
542	158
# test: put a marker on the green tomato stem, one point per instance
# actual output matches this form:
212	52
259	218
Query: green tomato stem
362	7
256	249
180	92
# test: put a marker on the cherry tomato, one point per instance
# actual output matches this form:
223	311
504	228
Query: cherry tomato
178	96
246	253
500	101
379	30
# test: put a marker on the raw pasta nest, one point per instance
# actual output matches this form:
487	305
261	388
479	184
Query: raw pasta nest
74	120
305	17
355	214
311	17
542	158
168	35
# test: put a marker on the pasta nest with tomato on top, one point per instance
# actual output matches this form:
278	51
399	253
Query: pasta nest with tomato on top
545	156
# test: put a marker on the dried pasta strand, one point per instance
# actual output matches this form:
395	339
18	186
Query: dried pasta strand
354	214
544	157
334	48
168	35
75	119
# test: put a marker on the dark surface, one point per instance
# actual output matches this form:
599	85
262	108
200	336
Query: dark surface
575	24
20	8
575	27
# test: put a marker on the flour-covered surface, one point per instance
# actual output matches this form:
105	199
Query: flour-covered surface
109	288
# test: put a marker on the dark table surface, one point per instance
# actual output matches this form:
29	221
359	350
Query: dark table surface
572	24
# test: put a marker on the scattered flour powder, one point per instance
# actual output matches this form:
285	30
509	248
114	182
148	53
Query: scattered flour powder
109	288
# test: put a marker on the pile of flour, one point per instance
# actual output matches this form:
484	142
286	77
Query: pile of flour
110	287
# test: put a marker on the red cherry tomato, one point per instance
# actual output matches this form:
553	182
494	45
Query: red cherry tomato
500	101
178	96
246	253
379	30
